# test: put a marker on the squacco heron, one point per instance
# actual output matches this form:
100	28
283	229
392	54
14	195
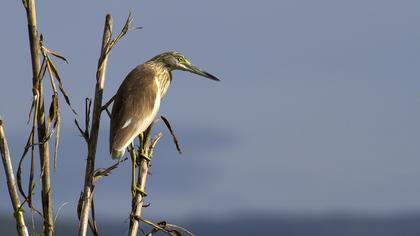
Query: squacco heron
138	98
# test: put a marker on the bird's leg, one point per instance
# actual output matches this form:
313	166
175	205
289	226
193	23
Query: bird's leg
143	193
142	152
144	155
133	168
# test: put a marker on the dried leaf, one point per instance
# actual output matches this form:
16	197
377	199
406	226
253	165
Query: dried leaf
60	85
19	169
79	205
32	109
31	141
41	73
54	53
57	138
31	185
53	123
88	106
54	110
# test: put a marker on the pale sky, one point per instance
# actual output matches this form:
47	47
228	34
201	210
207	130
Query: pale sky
318	109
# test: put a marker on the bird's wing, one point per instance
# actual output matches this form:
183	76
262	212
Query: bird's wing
133	105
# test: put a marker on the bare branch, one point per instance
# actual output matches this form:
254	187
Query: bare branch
105	107
146	152
11	183
88	106
56	54
85	133
139	191
108	112
180	228
34	41
169	229
82	133
93	139
102	172
122	33
107	44
168	125
153	143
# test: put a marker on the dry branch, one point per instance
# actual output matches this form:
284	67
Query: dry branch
145	153
141	162
11	183
34	41
168	125
92	137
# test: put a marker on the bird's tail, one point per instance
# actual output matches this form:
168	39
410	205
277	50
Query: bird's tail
116	154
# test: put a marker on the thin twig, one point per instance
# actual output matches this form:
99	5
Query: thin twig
11	183
85	133
180	228
168	125
92	224
59	210
108	103
169	229
102	172
156	227
108	112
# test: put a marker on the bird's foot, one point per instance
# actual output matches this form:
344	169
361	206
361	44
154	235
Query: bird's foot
145	156
142	192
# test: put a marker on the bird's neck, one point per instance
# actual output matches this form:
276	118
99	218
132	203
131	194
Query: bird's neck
163	76
164	82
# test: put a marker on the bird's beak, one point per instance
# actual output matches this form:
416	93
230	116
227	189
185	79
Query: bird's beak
193	69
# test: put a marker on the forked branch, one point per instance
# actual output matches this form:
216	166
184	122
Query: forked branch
92	137
140	165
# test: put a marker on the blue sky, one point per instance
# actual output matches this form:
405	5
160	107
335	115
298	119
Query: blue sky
317	110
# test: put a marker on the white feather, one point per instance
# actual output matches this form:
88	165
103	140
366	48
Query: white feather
127	123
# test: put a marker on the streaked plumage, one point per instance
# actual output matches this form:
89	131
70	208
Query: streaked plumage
137	100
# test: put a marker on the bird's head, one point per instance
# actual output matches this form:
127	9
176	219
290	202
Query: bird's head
177	61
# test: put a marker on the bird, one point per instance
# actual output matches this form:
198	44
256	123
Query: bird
138	98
